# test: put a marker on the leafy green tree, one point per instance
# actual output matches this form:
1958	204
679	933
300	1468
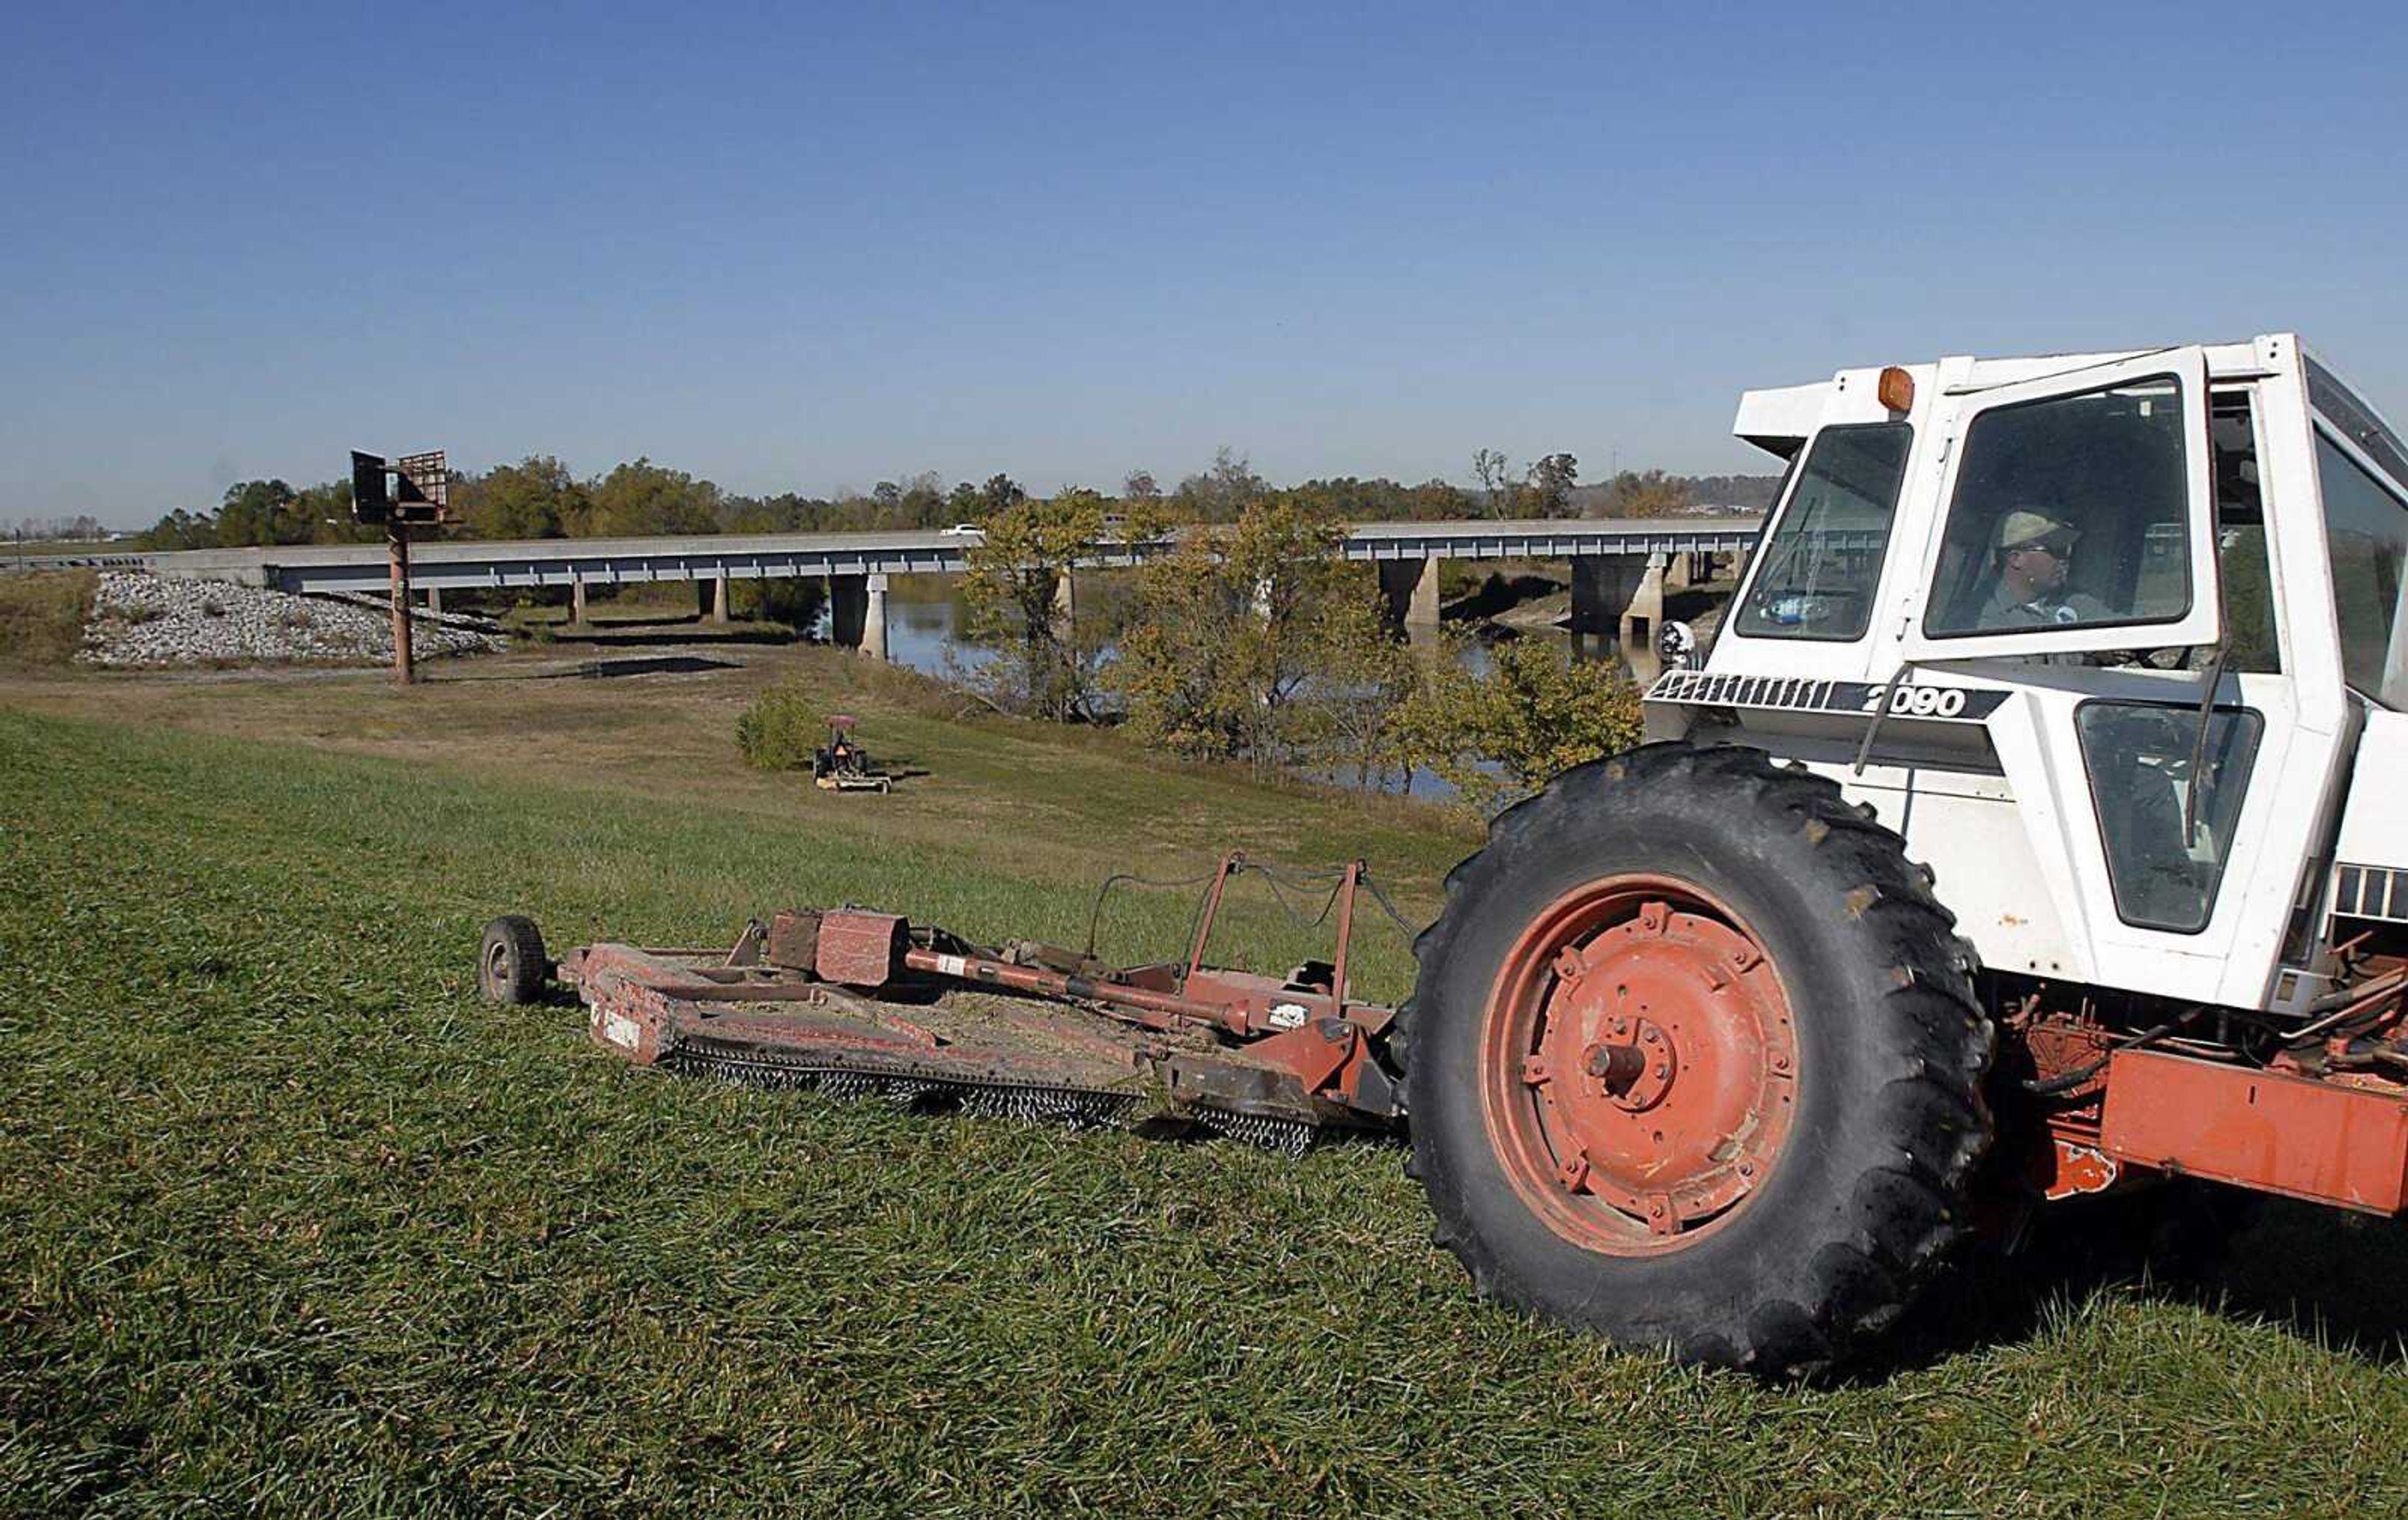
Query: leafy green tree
1501	733
1222	493
1654	494
327	506
180	529
1498	487
1348	499
786	512
1010	587
643	498
262	512
535	498
1231	630
1551	482
1001	494
1363	676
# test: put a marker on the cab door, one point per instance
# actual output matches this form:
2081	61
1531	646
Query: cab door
2078	516
2172	824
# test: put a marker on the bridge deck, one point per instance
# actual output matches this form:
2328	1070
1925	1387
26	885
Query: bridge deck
464	564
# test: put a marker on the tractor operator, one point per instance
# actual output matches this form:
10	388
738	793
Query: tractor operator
2034	552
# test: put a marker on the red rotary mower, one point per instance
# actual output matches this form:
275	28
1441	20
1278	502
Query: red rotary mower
853	1001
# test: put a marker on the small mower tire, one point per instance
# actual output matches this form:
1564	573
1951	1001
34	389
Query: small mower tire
1780	1189
511	964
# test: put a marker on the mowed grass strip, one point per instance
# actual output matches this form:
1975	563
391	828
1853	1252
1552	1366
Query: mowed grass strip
289	1222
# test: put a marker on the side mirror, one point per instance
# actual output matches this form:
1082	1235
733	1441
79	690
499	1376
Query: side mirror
1677	644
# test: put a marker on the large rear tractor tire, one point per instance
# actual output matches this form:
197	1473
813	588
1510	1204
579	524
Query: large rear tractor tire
1694	1061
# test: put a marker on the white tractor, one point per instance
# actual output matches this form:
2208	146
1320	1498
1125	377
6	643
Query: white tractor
2026	827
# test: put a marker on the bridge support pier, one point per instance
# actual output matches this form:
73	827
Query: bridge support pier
1644	614
434	598
1410	587
1066	602
857	613
873	621
1618	598
719	598
577	601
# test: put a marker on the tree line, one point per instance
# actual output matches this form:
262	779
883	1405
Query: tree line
541	497
81	528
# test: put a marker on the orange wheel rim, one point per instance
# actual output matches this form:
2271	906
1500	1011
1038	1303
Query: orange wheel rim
1639	1067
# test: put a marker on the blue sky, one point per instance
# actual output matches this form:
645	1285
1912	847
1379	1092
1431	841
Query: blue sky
801	248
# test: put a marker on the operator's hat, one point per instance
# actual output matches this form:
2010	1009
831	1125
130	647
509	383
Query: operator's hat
2021	527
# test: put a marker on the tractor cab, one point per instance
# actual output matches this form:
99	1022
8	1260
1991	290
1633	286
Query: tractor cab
2116	642
2105	636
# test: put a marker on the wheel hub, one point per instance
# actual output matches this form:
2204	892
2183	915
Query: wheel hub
1657	1063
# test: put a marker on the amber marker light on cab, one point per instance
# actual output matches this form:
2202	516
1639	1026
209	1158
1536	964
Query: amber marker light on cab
1896	389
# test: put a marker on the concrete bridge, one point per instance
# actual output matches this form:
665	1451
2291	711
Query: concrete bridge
1619	566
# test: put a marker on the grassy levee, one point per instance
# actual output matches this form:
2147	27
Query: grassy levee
291	1222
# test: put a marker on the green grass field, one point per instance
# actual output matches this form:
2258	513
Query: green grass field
290	1223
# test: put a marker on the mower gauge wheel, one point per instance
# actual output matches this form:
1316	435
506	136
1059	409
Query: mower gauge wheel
511	964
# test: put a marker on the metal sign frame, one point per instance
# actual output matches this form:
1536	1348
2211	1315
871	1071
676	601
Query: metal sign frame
424	494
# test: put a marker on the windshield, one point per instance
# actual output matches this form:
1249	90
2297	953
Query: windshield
1823	562
2069	509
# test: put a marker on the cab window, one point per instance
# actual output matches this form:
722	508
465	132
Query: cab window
2069	509
1824	559
2248	575
2167	835
2366	536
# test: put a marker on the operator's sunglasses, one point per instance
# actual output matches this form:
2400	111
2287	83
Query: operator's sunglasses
2056	546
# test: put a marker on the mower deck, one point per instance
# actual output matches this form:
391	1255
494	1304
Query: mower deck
854	1002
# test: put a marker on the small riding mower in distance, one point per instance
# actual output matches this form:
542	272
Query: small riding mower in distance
842	765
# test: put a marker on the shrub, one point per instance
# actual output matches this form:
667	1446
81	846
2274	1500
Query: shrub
42	615
780	729
1536	711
